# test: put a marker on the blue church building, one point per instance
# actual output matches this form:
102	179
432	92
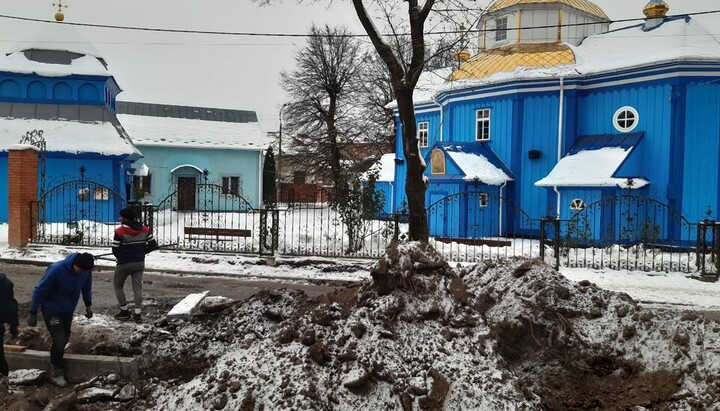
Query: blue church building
557	112
69	97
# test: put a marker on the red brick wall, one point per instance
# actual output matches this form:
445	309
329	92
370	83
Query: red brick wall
22	190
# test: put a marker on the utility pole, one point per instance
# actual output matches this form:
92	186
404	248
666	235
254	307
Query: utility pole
279	161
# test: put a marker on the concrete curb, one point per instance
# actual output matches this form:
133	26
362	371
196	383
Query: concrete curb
79	367
318	281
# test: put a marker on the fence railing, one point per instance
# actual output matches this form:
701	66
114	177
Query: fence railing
622	233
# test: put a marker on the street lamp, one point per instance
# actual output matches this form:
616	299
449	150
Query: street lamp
279	157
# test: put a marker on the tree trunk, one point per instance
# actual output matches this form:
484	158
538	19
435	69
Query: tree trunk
415	186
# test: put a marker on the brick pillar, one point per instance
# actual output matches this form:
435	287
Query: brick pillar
22	190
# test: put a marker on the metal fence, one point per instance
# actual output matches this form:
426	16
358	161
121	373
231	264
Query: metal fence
623	232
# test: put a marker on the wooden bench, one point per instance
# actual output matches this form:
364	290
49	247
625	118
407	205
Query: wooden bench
217	232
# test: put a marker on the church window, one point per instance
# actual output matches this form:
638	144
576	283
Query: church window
501	29
482	127
626	119
483	199
577	204
422	133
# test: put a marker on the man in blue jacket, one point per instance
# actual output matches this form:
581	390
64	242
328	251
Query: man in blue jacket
8	315
57	295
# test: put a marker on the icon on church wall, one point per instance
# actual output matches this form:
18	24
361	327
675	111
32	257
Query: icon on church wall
437	162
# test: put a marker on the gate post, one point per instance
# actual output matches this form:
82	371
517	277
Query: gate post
542	238
556	242
701	246
275	230
263	231
22	191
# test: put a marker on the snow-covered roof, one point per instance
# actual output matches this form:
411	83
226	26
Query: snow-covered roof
591	168
477	167
680	38
68	136
183	132
477	162
385	167
427	86
83	65
676	39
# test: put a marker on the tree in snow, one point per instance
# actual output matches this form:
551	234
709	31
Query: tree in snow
269	191
401	45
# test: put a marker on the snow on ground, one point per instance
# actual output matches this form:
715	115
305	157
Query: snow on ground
656	288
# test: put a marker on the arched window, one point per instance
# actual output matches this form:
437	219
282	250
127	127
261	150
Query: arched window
626	119
88	92
9	88
62	91
577	204
37	90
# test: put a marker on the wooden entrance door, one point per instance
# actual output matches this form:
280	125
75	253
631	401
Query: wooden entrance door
186	193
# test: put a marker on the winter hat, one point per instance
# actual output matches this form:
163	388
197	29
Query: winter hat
85	261
127	213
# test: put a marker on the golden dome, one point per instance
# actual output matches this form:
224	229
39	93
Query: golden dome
656	9
582	5
59	16
507	59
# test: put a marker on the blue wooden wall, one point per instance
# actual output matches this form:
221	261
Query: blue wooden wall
84	90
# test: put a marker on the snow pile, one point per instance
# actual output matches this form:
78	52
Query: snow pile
512	336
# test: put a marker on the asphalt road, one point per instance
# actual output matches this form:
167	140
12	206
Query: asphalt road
165	288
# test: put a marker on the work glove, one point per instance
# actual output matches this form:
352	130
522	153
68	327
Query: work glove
88	312
14	331
32	319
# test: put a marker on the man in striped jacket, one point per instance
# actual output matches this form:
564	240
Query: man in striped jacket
131	242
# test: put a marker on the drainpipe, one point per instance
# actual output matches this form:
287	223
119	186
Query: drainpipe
500	220
441	117
560	136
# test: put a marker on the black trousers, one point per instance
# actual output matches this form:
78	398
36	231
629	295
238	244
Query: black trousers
4	370
58	325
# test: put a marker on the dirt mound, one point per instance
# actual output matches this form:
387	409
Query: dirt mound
424	336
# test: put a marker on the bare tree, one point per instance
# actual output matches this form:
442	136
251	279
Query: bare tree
403	51
320	91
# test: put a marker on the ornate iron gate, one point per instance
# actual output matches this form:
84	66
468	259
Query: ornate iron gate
478	226
210	218
628	232
79	212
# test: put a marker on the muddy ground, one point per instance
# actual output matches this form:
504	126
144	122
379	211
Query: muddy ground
421	335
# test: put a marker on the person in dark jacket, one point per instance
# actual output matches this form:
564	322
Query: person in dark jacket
56	295
8	315
131	242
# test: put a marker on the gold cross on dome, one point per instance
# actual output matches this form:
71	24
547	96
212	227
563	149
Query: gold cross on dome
59	16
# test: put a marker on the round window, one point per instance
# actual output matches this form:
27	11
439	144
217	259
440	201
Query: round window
626	119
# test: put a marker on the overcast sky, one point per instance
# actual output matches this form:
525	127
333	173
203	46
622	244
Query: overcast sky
238	72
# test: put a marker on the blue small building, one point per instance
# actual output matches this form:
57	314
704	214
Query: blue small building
69	99
188	151
557	112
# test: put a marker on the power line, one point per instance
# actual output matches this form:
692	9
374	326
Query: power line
304	35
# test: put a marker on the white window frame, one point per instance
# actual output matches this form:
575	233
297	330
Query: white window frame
501	29
227	190
620	119
577	204
480	134
423	128
483	199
